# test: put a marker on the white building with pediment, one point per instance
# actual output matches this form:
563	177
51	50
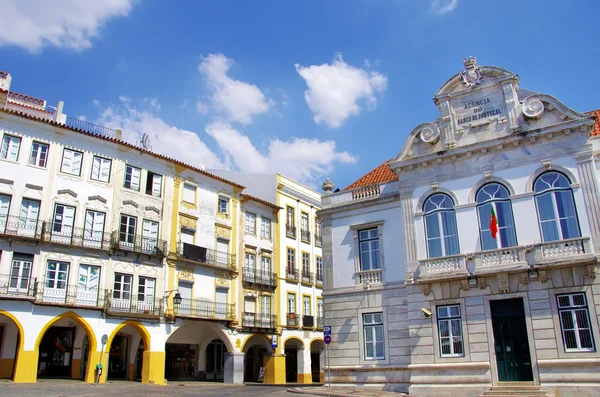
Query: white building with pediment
467	264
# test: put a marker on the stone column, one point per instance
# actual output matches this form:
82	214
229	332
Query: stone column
410	238
589	186
327	252
234	368
304	367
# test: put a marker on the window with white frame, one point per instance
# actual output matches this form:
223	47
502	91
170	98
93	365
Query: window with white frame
557	214
10	147
39	154
223	204
291	299
153	184
189	193
127	230
368	244
319	266
575	323
250	223
57	274
450	331
101	169
440	226
146	288
265	228
266	266
122	287
496	225
251	262
132	178
320	308
373	336
71	162
306	305
291	260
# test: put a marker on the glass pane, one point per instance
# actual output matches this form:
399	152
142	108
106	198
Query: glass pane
582	318
570	340
457	345
578	299
567	319
443	312
550	231
445	346
434	248
379	333
444	329
369	334
432	226
454	311
565	204
545	207
378	318
369	353
585	337
379	349
456	329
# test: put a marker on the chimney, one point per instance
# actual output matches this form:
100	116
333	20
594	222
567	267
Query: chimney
118	135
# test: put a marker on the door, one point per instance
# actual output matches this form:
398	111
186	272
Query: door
87	285
185	290
4	206
28	219
127	232
265	312
94	229
121	297
55	285
56	350
62	224
511	343
221	309
146	289
149	236
249	311
20	274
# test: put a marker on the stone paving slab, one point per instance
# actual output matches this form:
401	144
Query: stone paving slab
345	391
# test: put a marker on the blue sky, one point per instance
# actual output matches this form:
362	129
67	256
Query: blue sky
311	89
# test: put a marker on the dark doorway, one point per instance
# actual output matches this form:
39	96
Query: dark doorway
215	359
56	352
181	361
117	357
510	340
254	359
291	365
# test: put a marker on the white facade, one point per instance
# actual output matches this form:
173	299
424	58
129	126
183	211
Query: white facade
418	293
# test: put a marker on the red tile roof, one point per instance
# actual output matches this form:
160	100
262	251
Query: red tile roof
381	174
596	130
259	200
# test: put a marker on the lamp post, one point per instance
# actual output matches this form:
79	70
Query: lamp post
177	299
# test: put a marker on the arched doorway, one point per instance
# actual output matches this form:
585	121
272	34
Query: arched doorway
317	356
255	349
10	344
60	347
196	351
215	360
291	350
125	350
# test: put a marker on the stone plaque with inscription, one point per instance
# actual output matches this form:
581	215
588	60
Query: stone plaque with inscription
477	108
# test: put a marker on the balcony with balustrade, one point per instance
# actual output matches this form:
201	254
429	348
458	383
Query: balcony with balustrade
58	293
138	244
258	278
293	320
305	236
308	322
290	230
21	228
318	241
205	309
307	277
368	277
292	275
319	279
76	237
259	322
17	287
320	323
128	305
199	255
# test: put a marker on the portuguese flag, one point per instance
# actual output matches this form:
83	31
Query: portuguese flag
493	222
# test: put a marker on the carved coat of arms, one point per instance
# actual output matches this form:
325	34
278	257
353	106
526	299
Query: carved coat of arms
472	75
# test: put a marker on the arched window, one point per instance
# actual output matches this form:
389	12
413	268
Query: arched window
440	226
555	206
495	196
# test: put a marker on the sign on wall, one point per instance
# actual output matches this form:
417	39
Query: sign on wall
473	109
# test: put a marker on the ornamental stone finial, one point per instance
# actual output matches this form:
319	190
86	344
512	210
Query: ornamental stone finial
328	186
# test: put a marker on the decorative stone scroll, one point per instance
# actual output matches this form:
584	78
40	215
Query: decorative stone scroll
533	108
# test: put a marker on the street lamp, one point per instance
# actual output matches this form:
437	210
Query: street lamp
177	298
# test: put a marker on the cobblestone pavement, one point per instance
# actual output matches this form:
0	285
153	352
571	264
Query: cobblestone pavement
345	391
132	389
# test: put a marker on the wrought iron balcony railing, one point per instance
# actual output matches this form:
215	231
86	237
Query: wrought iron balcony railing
307	277
94	129
59	293
305	235
14	286
139	244
259	320
308	322
206	256
205	309
290	230
20	227
126	303
319	322
293	320
76	237
253	276
319	278
318	240
292	275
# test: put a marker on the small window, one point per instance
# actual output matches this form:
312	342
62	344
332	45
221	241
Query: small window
291	299
265	228
305	264
251	262
450	331
291	217
373	336
319	268
189	193
101	169
223	204
71	162
122	288
306	305
291	260
368	241
146	287
10	148
39	154
153	184
132	178
250	223
575	323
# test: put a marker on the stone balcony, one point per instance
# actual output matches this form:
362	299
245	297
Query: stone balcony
542	256
361	194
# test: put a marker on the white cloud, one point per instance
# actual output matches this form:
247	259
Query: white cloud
165	139
304	160
443	6
335	90
72	24
238	100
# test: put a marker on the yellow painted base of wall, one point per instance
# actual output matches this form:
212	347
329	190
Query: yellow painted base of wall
76	368
304	378
153	370
26	367
274	369
6	368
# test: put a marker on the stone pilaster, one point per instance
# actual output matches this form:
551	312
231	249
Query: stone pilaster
327	244
410	238
589	186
